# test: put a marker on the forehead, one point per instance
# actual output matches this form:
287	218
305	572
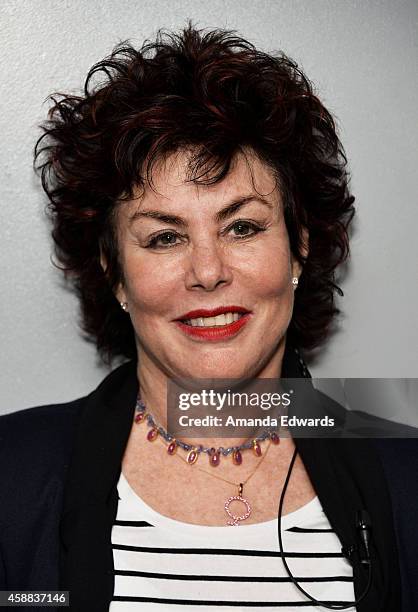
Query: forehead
172	188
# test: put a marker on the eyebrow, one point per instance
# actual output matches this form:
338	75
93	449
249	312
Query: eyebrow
221	215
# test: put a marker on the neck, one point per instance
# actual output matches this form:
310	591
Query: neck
153	389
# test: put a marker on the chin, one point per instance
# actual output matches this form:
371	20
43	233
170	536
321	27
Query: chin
220	370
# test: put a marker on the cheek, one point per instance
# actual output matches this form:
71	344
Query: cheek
268	271
150	288
271	281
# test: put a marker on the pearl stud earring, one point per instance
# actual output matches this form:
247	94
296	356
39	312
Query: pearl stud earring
124	306
295	281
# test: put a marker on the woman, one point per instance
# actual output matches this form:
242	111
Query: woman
200	207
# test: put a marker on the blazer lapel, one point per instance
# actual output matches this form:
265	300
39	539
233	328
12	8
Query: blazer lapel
90	500
347	476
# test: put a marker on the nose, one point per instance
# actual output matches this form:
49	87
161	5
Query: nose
208	268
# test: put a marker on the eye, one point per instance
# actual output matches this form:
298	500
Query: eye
244	229
163	240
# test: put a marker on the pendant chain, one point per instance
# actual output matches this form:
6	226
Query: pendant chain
224	479
234	519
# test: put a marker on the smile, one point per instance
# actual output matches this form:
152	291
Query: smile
220	320
217	327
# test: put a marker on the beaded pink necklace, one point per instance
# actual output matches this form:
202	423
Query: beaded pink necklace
214	454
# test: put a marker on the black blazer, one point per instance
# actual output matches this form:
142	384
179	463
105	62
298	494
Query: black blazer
60	465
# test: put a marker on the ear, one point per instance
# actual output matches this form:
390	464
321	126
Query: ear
296	265
119	293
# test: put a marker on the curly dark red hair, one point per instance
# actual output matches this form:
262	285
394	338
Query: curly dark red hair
214	93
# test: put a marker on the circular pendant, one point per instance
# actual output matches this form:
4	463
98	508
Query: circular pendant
235	520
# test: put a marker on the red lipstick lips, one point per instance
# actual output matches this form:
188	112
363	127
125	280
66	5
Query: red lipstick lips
216	332
203	312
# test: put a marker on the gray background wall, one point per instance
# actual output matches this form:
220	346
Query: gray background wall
362	55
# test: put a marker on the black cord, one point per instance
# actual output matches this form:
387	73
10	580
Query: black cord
289	573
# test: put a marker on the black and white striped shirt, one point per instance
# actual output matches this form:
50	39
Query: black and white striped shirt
162	564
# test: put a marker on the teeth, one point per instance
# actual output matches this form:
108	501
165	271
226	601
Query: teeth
229	317
222	319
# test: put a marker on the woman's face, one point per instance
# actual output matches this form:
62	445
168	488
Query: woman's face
222	247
